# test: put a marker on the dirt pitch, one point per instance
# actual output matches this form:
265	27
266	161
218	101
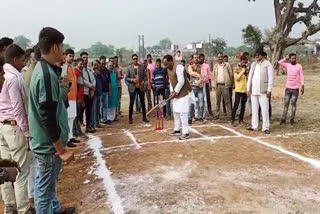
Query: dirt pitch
220	169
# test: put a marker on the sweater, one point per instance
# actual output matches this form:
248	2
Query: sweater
159	79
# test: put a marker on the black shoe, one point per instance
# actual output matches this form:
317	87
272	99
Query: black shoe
71	145
68	210
99	126
283	122
267	132
250	129
184	137
292	121
175	133
73	140
190	121
146	120
91	130
130	121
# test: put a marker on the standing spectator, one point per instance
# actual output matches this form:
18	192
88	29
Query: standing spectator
137	77
5	42
96	107
159	84
226	60
197	78
72	95
1	72
113	99
48	119
240	79
30	60
14	130
295	78
79	64
89	87
259	87
148	91
222	82
178	57
208	86
105	74
119	77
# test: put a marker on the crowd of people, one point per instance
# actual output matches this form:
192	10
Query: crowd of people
47	96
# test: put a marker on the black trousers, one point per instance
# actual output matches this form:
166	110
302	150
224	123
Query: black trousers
132	100
156	95
88	101
239	97
208	99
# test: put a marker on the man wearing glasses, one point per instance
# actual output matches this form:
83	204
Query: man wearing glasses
137	79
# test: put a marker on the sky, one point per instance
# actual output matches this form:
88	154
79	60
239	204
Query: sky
119	22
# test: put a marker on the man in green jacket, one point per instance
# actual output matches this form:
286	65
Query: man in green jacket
48	121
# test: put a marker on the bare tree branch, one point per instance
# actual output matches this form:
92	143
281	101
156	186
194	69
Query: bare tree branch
311	9
312	30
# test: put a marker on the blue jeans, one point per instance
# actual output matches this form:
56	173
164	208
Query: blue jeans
45	194
96	110
168	106
105	106
199	94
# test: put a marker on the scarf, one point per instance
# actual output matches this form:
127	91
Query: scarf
10	69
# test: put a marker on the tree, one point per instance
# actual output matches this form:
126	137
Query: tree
289	13
99	49
165	43
219	45
22	41
252	36
67	46
124	55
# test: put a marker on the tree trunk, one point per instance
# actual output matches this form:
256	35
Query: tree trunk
277	46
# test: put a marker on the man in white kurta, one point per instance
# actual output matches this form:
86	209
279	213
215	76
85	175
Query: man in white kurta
180	89
259	86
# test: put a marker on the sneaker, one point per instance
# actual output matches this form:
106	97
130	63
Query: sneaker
90	130
201	120
73	140
67	210
283	122
108	122
292	121
71	145
251	129
99	126
267	132
175	133
146	120
184	137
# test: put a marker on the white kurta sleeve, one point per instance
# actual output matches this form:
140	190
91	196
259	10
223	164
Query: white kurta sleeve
180	75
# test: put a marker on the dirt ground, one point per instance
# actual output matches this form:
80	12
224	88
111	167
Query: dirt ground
221	169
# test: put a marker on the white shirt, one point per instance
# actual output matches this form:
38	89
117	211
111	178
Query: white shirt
256	80
220	78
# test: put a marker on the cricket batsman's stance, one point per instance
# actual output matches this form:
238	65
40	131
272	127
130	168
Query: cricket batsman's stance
180	89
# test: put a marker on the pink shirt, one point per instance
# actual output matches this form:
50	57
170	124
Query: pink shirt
207	71
151	66
12	104
294	74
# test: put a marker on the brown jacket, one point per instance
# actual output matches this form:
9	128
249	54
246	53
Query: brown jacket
173	78
228	75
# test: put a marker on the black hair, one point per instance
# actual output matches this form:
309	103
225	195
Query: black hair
243	57
83	53
115	57
220	53
168	57
5	41
69	51
178	51
245	54
1	62
225	56
149	55
78	60
111	58
292	54
48	37
97	61
158	60
201	55
102	57
29	52
260	51
13	51
183	61
264	54
37	52
133	55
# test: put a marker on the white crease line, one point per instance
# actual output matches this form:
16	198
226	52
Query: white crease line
102	171
313	162
202	135
132	138
287	135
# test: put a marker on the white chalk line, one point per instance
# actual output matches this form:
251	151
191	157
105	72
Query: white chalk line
288	135
311	161
132	138
202	135
103	172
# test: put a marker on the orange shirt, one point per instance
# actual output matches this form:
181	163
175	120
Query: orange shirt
137	76
71	76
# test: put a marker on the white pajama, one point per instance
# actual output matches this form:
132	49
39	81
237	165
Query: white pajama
181	119
262	101
72	113
112	113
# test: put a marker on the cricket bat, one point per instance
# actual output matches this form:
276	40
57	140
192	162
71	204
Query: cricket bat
158	107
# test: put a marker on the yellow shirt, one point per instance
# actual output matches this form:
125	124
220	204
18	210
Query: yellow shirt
240	80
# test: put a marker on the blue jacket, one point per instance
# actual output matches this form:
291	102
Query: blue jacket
99	85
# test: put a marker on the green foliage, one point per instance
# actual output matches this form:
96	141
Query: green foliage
252	36
165	43
22	41
67	46
124	56
233	51
98	50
